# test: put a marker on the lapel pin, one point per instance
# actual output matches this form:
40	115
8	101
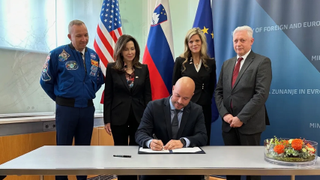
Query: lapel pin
137	77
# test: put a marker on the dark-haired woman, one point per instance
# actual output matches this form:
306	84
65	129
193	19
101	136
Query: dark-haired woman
127	92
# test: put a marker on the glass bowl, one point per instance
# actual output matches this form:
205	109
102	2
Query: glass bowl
290	152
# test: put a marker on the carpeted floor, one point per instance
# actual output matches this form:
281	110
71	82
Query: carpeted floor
110	177
103	177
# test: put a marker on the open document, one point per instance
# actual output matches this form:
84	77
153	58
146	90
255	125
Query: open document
188	150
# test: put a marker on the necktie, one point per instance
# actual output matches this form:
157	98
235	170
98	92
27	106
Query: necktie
175	124
236	70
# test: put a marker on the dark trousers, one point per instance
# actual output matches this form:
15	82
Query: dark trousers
74	123
207	117
121	134
171	177
235	138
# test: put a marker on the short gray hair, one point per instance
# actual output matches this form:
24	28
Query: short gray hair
74	22
244	28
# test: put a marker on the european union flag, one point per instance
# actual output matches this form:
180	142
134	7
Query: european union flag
204	21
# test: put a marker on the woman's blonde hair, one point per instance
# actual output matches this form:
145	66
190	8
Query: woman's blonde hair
203	51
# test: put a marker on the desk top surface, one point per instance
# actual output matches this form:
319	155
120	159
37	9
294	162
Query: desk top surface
218	160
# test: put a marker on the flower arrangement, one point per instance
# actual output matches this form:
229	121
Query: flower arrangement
290	150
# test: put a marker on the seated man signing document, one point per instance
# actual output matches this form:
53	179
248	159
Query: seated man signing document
173	122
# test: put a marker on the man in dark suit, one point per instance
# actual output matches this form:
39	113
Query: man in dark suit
241	93
159	119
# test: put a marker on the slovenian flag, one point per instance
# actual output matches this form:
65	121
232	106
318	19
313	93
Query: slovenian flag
158	54
204	21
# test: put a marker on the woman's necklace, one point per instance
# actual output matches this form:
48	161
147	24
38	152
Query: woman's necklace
196	64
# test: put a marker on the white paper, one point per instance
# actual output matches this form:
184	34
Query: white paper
181	150
148	150
187	150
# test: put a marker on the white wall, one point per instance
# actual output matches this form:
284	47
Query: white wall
25	42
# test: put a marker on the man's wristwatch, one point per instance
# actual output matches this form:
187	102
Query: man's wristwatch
183	141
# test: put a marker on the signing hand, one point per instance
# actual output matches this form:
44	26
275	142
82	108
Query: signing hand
173	144
156	145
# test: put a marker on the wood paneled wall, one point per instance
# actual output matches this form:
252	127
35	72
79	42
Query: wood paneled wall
17	145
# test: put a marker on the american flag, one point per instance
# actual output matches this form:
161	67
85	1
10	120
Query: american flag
108	31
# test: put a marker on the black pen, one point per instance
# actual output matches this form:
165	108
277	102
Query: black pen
154	136
124	156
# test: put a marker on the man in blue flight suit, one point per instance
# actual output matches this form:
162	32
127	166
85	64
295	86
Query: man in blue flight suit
71	76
